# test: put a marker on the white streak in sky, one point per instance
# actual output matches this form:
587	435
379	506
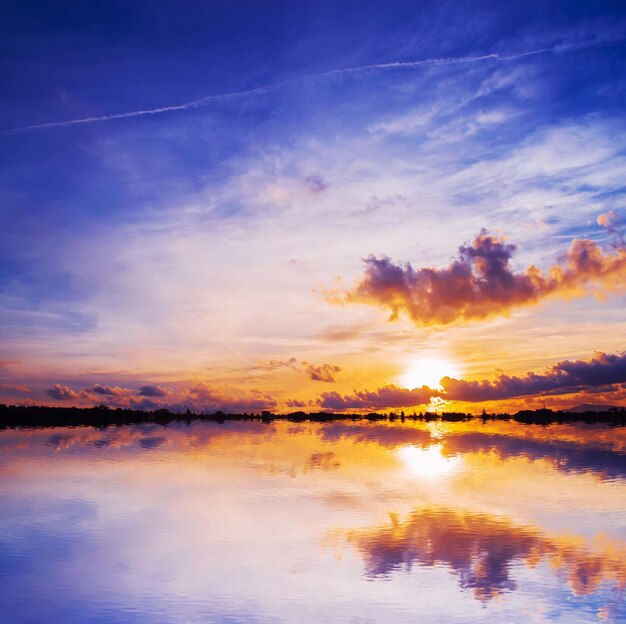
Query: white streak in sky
303	80
245	359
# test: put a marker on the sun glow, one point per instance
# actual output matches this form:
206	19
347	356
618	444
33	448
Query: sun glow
428	461
428	371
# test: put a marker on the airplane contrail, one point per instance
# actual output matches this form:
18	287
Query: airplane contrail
303	80
243	357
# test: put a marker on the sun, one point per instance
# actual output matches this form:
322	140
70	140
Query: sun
428	371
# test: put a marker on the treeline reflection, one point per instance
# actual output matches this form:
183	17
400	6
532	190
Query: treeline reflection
576	449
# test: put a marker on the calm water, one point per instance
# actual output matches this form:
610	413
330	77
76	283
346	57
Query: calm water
338	522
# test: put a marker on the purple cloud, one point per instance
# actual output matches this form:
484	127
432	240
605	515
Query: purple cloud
480	283
386	397
152	391
601	371
61	393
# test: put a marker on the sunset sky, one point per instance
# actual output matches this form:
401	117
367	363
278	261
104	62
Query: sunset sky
313	205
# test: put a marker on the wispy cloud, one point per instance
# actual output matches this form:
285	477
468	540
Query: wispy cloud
310	79
11	388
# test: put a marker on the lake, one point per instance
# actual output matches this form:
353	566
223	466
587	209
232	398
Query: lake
313	522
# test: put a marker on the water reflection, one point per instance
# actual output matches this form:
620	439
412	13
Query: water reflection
428	461
313	522
482	550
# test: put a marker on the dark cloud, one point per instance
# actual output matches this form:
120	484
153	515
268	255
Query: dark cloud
295	403
480	283
152	391
324	372
602	370
61	393
386	397
8	363
106	390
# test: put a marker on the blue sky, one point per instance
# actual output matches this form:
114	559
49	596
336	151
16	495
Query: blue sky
195	245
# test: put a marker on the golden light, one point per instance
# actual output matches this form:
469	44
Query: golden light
428	461
428	371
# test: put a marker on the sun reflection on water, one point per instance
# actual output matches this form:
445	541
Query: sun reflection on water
428	461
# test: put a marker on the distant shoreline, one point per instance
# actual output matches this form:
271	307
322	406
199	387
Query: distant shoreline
32	416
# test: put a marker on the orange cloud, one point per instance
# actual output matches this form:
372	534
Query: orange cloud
323	372
480	283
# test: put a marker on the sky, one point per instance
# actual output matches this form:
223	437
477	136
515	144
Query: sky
242	206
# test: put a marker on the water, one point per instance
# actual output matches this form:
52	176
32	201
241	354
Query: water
336	522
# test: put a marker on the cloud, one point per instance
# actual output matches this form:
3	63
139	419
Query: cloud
324	372
386	397
295	403
290	363
604	373
22	388
315	184
114	396
310	79
8	363
608	219
480	283
611	221
564	377
108	390
205	398
152	391
61	393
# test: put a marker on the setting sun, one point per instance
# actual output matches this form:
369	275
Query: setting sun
428	371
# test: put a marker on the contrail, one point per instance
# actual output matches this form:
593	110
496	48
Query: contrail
304	80
245	359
